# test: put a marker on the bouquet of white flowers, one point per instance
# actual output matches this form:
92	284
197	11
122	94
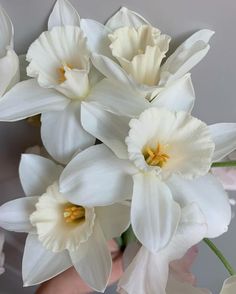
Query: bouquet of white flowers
148	177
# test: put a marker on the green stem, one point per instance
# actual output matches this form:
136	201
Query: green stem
219	254
224	164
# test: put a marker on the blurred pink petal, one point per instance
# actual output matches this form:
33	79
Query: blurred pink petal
227	176
181	269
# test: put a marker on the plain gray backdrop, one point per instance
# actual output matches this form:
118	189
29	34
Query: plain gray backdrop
214	81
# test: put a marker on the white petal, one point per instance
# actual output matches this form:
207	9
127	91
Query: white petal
112	70
114	219
229	286
62	133
9	71
111	95
148	272
14	215
224	136
186	56
37	174
27	98
208	193
63	14
6	32
178	96
109	128
93	260
97	36
96	177
154	214
125	17
39	264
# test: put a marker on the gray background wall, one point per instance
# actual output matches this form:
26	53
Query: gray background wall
214	81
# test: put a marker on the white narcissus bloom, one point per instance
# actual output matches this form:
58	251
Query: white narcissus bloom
148	273
1	252
61	234
62	78
160	161
140	50
9	62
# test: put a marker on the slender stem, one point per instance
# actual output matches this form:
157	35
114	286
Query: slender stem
219	254
224	164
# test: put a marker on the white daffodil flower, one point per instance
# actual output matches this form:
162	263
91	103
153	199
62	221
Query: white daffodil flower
59	63
9	62
148	273
160	160
139	54
61	234
1	253
111	92
62	78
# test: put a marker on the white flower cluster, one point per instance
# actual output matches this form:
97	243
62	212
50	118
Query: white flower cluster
114	83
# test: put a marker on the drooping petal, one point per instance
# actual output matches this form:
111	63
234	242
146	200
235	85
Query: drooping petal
97	36
186	56
229	286
178	96
154	214
63	14
208	193
6	32
62	133
148	272
224	137
111	95
39	264
9	71
27	98
15	214
114	219
37	174
125	17
93	260
109	128
85	179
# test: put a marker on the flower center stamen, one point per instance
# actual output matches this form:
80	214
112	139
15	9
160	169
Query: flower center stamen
74	213
61	72
155	157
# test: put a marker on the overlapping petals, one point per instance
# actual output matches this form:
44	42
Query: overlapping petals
148	272
61	234
133	39
112	129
